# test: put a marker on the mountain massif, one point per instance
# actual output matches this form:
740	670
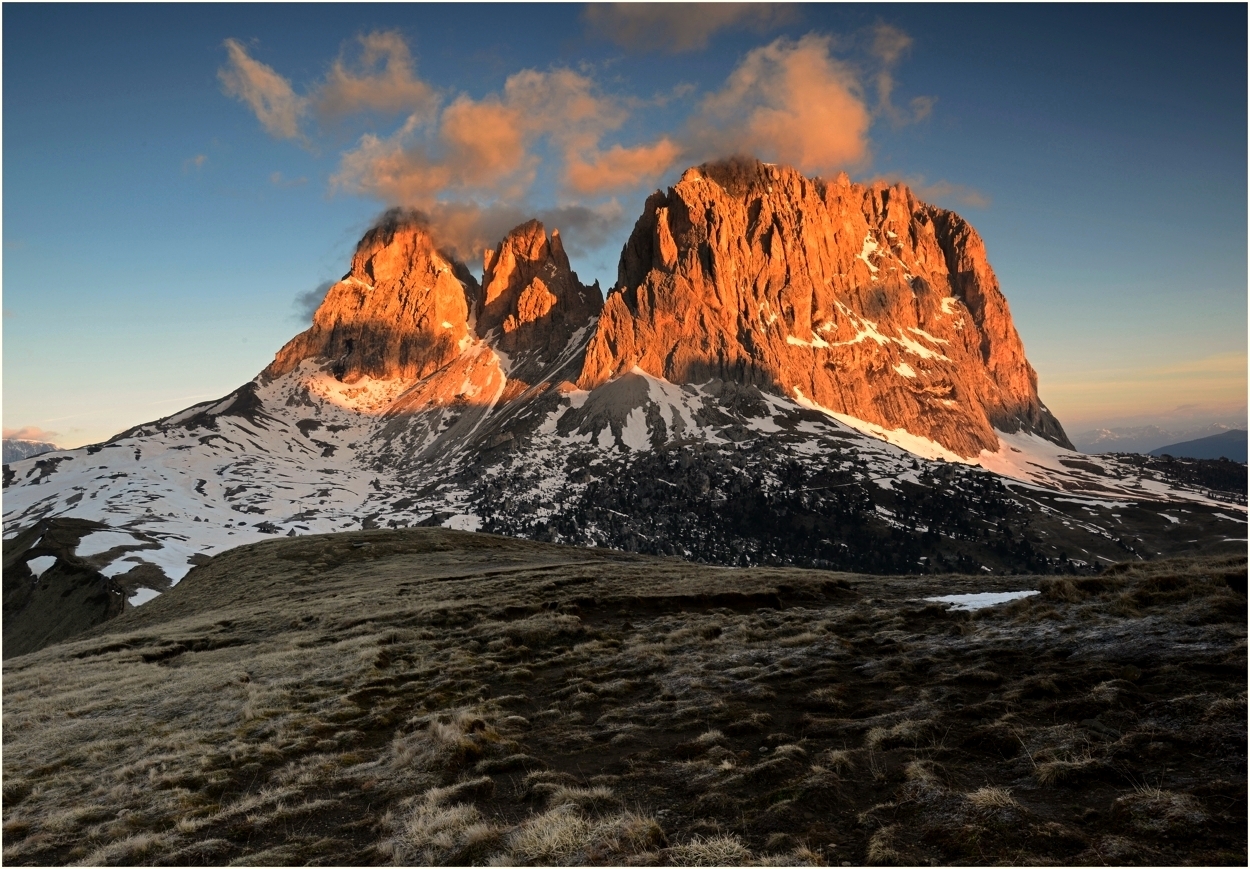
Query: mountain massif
788	371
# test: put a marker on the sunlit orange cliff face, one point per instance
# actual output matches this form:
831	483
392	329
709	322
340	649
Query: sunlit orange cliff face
861	300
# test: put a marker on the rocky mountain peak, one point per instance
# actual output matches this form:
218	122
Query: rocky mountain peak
402	311
858	298
531	294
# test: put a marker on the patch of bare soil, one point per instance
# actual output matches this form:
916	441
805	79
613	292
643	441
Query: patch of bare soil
426	696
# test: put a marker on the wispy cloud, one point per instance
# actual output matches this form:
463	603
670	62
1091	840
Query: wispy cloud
30	433
277	179
383	78
270	96
307	302
889	45
680	27
941	192
196	162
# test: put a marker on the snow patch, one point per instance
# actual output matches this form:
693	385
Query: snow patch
980	600
463	522
1173	519
635	434
39	565
905	370
142	596
869	247
102	541
899	437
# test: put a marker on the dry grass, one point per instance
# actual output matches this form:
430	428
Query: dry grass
992	798
429	698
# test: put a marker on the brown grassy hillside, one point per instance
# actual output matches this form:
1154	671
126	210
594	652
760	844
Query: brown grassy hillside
428	696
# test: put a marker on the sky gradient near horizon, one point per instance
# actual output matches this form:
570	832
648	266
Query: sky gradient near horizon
178	179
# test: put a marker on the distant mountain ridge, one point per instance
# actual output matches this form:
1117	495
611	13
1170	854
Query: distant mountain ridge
1143	438
16	449
1228	445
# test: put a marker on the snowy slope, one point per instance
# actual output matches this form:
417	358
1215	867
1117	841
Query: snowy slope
306	453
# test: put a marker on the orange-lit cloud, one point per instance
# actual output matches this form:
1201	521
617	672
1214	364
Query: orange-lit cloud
30	433
678	27
383	80
470	163
267	94
789	102
619	168
487	147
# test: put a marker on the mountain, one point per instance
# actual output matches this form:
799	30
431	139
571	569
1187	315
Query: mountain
16	449
862	300
855	398
1228	445
1140	439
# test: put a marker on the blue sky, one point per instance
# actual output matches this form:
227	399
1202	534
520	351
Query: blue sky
168	197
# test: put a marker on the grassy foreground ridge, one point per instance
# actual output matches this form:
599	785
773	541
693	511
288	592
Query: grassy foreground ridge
431	696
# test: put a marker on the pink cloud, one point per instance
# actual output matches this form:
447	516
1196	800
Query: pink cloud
30	433
790	102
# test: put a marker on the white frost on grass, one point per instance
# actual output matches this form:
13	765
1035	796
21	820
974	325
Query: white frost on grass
980	600
39	565
142	596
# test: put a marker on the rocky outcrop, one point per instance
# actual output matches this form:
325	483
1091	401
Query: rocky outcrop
862	299
402	311
532	296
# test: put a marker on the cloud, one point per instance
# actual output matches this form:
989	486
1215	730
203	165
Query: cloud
277	179
307	302
619	168
383	79
889	46
267	94
678	27
488	147
944	192
790	102
470	163
196	162
30	433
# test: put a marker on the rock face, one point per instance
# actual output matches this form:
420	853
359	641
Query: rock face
859	298
407	310
401	312
532	296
